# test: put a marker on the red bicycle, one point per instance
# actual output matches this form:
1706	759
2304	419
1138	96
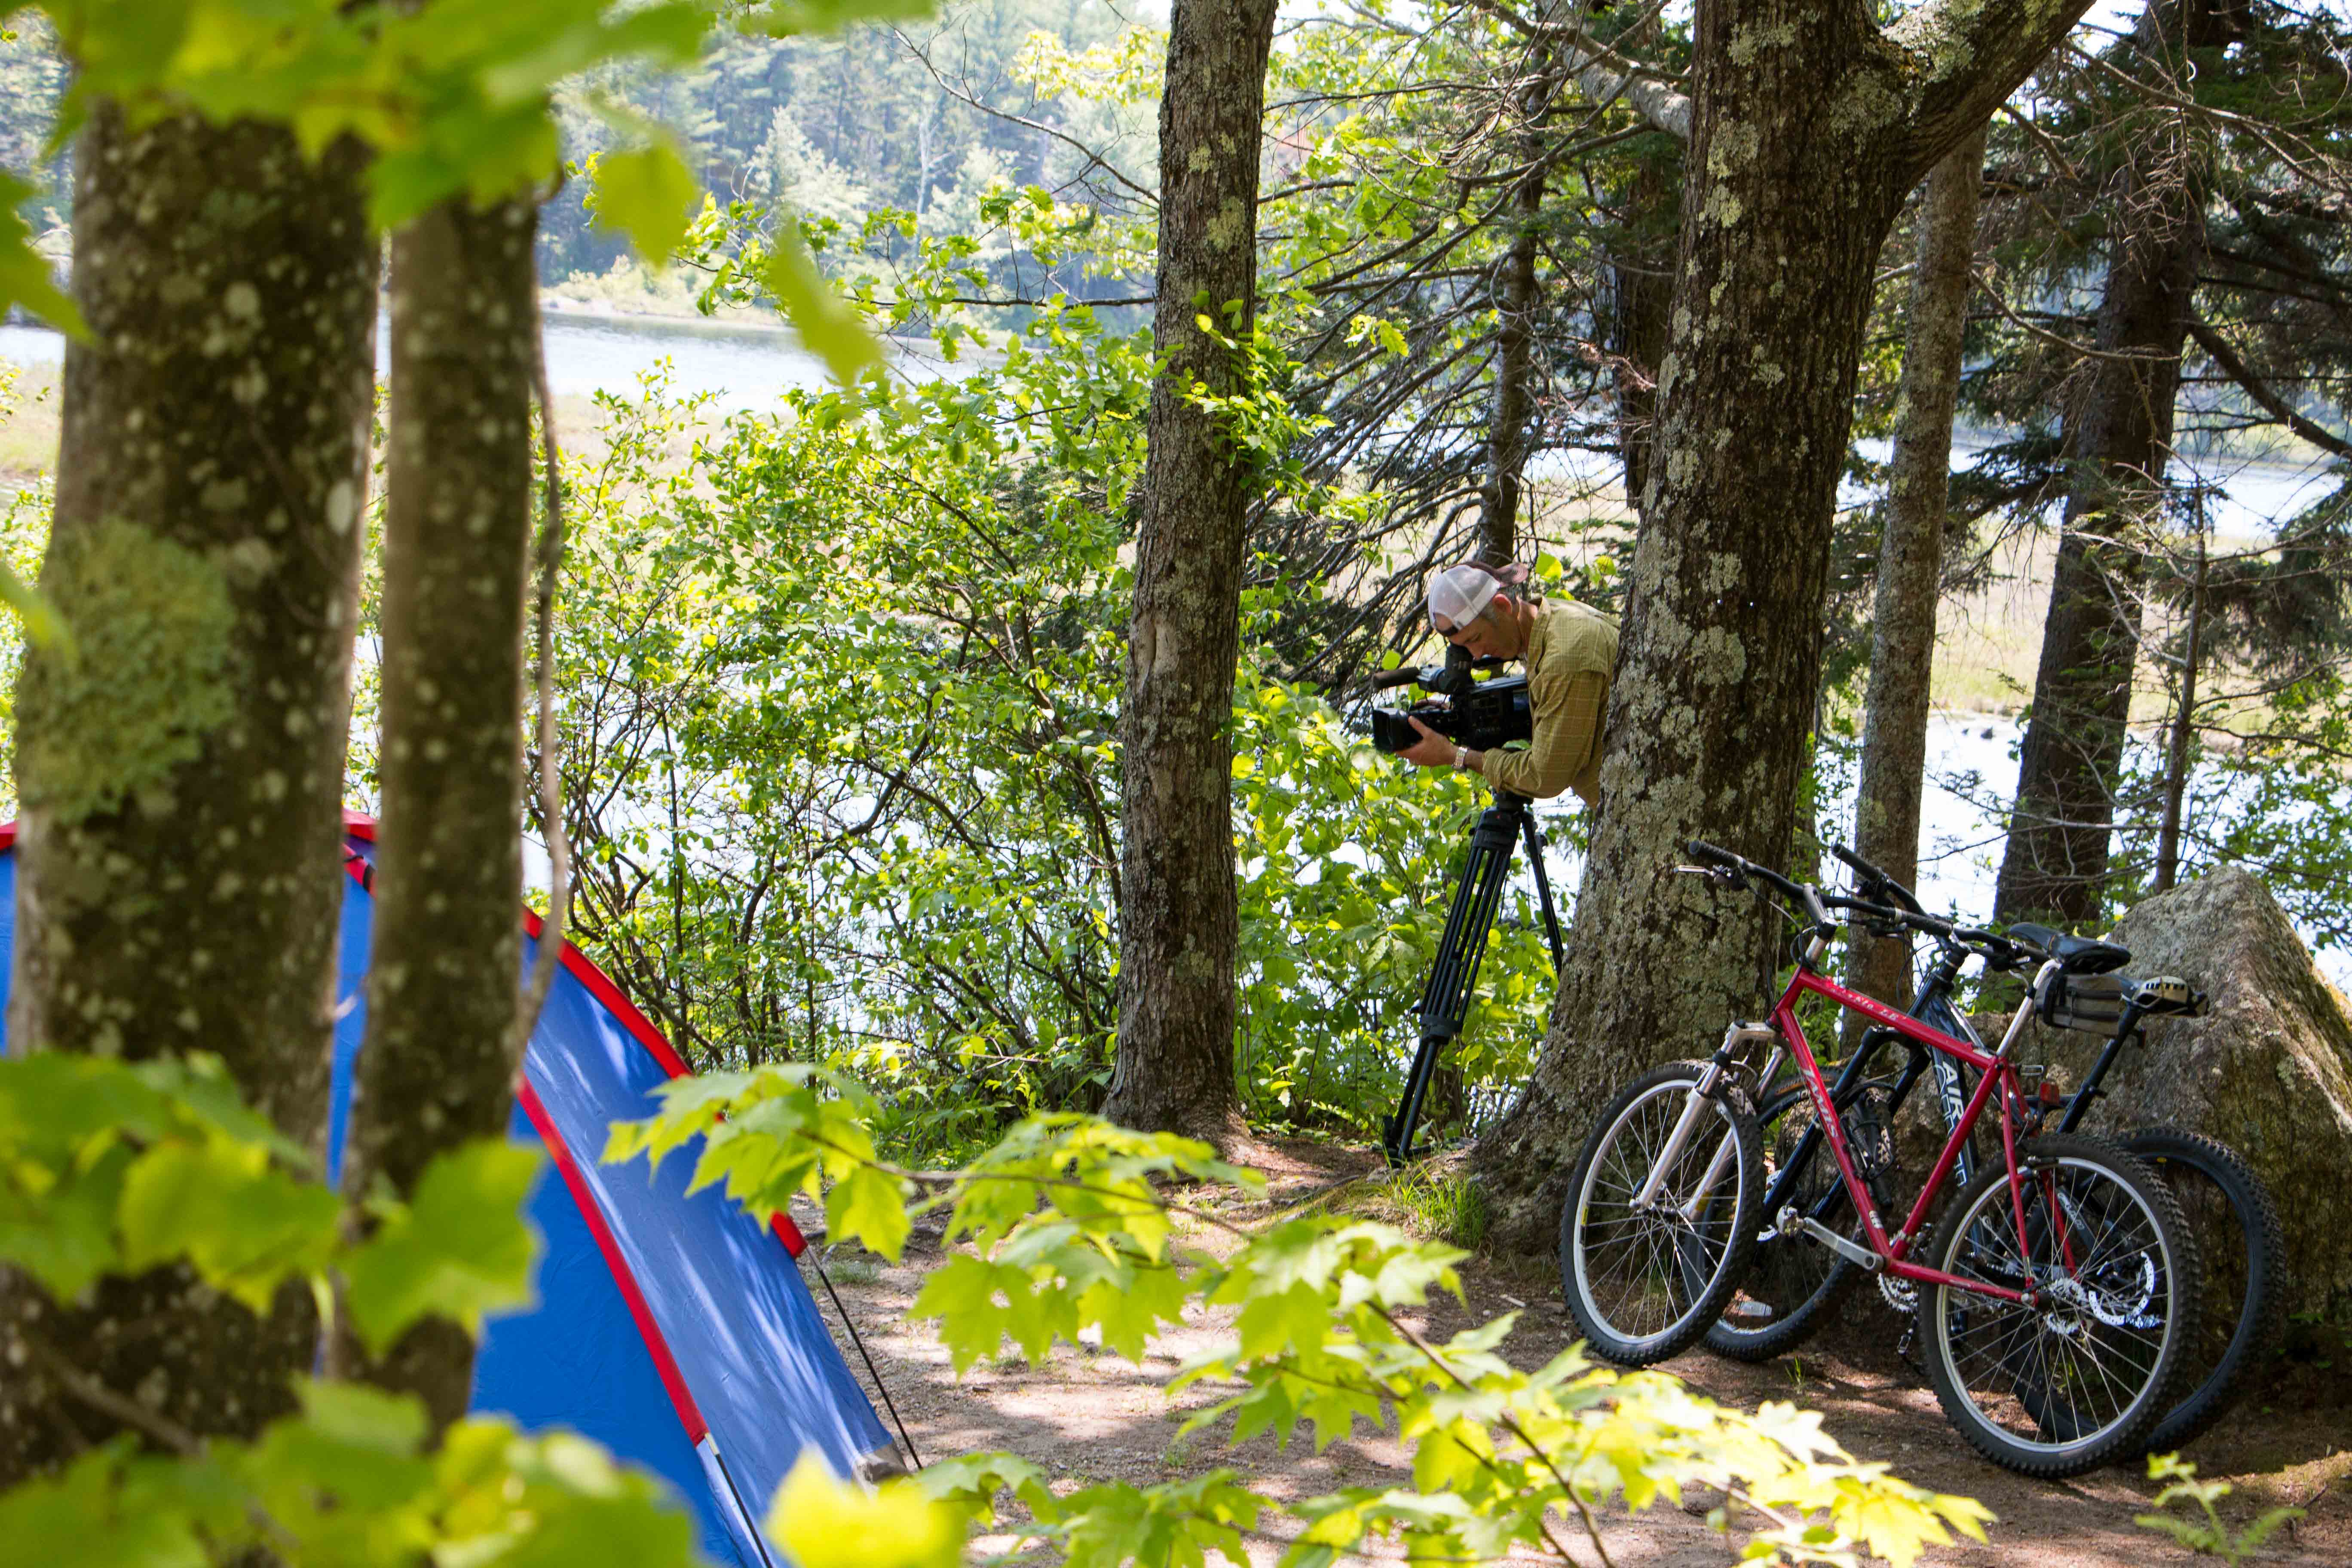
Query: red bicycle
2055	1300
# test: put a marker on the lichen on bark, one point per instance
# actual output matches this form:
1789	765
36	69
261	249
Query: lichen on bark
112	718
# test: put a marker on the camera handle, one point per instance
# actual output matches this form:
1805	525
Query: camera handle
1502	829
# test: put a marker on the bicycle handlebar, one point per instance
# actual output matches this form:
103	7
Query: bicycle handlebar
1999	953
1740	867
1873	880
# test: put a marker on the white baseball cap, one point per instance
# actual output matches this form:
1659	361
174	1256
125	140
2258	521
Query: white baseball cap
1459	594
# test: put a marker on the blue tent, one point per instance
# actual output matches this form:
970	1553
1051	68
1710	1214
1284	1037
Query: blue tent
676	1330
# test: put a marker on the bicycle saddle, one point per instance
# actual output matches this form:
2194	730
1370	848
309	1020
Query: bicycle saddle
2078	954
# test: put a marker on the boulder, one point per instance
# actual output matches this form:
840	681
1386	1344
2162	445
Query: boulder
2268	1070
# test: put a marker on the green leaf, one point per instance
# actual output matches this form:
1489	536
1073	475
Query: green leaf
648	195
44	628
826	325
867	1206
243	1224
825	1522
459	1250
109	1511
24	272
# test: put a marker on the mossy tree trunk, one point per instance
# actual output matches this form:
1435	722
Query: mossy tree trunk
1809	126
443	986
2056	862
1178	915
179	865
1911	558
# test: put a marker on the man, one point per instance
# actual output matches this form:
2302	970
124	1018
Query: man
1570	650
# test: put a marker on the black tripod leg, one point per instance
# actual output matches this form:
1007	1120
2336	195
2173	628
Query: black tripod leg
1445	1000
1534	837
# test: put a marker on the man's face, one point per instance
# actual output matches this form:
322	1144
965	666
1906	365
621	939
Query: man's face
1483	637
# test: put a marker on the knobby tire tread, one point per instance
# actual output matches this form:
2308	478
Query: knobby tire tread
2263	1318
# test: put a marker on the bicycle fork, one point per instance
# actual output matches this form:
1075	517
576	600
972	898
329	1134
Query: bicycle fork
1695	1107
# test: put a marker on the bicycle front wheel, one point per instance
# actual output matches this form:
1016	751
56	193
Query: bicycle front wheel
2244	1248
1647	1266
2079	1375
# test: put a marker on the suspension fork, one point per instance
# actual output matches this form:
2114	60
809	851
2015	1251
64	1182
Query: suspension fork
1694	1105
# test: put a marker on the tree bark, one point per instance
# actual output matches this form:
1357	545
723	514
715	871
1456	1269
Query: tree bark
1514	401
1642	297
2056	863
1178	916
1808	128
445	982
1512	408
2184	730
178	854
1911	558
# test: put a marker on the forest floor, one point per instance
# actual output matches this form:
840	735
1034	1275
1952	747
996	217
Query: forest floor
1088	1415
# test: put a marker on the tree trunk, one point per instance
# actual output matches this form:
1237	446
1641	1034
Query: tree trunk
182	777
1911	559
1808	128
2056	866
1642	296
2184	729
1178	918
445	982
1516	300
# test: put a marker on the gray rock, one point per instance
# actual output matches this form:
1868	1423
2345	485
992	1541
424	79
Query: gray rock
2268	1070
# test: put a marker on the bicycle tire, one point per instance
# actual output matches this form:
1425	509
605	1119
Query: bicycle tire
1678	1265
2022	1370
2245	1272
1786	1267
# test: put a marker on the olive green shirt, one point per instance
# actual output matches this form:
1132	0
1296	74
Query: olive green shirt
1569	657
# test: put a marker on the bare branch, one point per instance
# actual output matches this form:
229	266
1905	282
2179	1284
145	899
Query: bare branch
2216	348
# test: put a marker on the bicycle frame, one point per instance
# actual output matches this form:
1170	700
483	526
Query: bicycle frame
1998	1072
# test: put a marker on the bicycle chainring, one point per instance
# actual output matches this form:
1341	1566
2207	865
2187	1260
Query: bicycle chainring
1898	1294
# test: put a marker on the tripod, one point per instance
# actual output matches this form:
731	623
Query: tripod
1445	1000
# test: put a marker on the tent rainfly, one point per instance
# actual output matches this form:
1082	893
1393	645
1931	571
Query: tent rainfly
673	1329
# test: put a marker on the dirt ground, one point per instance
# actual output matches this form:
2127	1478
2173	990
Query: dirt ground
1088	1415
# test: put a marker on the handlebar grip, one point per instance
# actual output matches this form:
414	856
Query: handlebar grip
1856	863
1709	854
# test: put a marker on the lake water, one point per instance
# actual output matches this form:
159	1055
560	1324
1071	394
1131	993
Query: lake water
742	367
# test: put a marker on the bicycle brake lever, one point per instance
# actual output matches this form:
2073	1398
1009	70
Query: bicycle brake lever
1729	878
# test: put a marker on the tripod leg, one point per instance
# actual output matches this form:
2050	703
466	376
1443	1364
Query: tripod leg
1445	999
1534	837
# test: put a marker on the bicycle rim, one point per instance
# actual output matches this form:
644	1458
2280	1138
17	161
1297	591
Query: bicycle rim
2058	1388
1646	1281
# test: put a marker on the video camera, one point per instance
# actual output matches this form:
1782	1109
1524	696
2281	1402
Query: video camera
1478	714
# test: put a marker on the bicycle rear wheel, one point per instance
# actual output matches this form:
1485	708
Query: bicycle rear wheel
2080	1377
1645	1279
1794	1285
2244	1248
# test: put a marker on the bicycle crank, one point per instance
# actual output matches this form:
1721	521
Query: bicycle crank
1791	1223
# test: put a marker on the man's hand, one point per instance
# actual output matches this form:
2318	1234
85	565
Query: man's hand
1431	751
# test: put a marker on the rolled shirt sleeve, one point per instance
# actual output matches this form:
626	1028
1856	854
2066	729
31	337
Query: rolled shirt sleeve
1565	753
